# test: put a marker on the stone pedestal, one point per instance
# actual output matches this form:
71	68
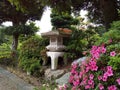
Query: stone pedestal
54	58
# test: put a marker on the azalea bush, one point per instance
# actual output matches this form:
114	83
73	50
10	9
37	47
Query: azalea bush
95	74
101	70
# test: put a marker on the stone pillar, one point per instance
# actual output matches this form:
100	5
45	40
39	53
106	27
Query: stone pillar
54	58
54	62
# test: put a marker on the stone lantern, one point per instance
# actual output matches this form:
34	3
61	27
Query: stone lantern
56	47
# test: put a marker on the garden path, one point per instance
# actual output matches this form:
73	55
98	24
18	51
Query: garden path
9	81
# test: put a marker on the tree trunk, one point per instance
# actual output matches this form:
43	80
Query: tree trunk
15	42
109	10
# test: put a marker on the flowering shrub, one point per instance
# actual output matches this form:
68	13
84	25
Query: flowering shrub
101	71
93	74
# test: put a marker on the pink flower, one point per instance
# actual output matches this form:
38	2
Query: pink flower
71	78
73	71
87	69
76	83
87	87
94	47
91	76
103	50
84	81
90	82
74	65
113	53
94	68
112	87
104	78
99	77
109	73
109	68
101	87
118	81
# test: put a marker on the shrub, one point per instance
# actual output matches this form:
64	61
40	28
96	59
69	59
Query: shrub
101	70
94	74
81	40
30	58
5	55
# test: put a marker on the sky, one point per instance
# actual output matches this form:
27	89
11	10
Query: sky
45	22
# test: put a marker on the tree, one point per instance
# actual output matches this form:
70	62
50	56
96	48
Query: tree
18	30
100	11
8	12
2	35
63	20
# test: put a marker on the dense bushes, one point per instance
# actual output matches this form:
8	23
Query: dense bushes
80	41
30	57
94	73
101	70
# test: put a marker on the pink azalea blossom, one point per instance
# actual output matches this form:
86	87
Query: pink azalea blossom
90	82
76	83
91	76
87	69
109	68
84	81
112	87
104	78
113	53
71	78
101	87
103	50
87	87
94	68
109	73
73	71
99	77
118	81
74	65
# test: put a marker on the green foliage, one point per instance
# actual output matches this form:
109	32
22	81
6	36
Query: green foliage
81	40
75	45
34	13
112	35
115	62
30	65
32	10
2	35
30	58
63	20
21	29
111	40
5	54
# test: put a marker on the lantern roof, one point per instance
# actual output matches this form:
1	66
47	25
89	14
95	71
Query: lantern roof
63	32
